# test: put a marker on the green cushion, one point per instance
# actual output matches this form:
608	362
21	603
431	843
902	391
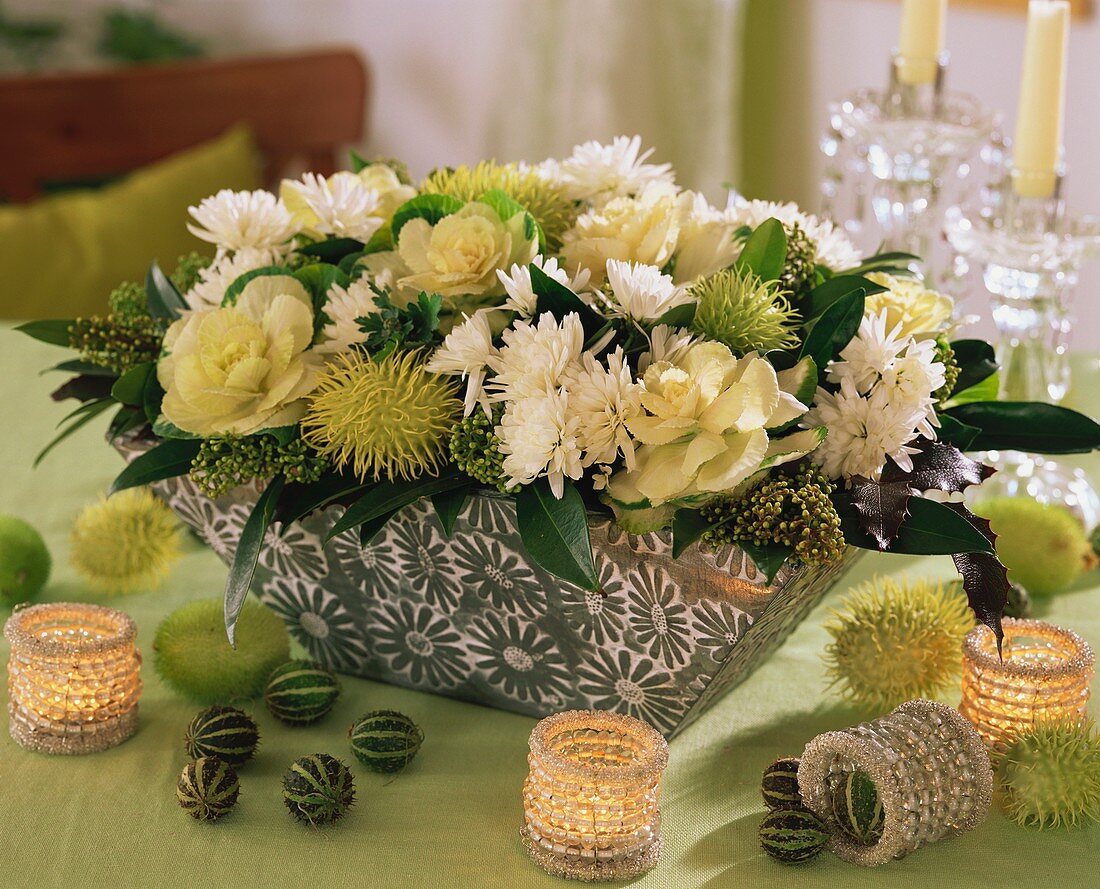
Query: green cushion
62	255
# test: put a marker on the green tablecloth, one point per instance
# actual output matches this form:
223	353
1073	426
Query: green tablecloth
451	820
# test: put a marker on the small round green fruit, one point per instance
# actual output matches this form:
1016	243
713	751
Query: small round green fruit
318	789
225	732
856	808
207	788
779	784
24	561
1019	602
792	835
1043	545
301	692
385	740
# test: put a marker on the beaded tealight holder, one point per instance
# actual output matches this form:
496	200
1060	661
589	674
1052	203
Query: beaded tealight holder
73	677
590	800
1043	675
930	769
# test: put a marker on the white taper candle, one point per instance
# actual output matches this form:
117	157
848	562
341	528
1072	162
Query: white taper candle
921	40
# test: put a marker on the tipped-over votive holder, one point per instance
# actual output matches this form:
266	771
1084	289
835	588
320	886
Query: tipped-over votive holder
930	769
73	677
1043	674
591	798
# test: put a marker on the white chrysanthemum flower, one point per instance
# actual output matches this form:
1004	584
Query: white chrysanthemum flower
596	172
521	293
236	220
834	250
865	432
665	344
641	293
214	280
604	397
869	354
343	307
340	206
916	374
539	437
534	358
465	353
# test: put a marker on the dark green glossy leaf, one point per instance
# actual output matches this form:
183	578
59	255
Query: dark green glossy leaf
333	250
369	530
1030	426
976	361
431	207
130	387
84	368
448	507
168	459
768	557
559	301
126	419
381	240
84	388
243	568
765	252
931	529
80	418
53	331
387	497
679	316
900	263
956	433
164	300
555	533
299	500
688	525
152	397
828	292
834	329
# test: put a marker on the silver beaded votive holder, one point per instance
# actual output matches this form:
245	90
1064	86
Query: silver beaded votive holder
590	801
73	677
929	766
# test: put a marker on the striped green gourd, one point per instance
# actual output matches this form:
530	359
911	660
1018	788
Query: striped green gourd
301	692
207	788
856	808
779	785
385	740
225	732
318	789
792	835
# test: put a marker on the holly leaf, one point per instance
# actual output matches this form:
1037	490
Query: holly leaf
943	467
85	387
882	507
985	579
688	525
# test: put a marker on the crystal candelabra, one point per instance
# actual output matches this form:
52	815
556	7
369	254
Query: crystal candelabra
897	158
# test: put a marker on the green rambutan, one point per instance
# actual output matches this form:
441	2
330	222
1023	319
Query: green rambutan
387	419
897	640
745	313
1050	776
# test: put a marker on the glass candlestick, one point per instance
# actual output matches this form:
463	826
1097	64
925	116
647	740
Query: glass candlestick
897	158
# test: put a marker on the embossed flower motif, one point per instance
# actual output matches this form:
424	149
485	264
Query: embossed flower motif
597	616
658	620
419	642
718	627
498	575
318	620
372	568
642	689
422	559
524	662
292	551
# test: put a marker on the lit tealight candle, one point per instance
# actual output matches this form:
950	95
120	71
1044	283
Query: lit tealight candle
73	677
1044	675
1040	117
590	800
920	43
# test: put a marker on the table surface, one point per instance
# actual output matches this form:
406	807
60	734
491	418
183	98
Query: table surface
451	819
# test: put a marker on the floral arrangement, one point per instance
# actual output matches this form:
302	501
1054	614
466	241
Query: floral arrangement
581	335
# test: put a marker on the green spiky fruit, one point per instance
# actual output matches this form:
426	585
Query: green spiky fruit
318	789
207	788
1043	545
225	732
24	561
193	656
300	692
744	312
856	808
1050	776
1019	602
779	784
385	740
792	835
800	267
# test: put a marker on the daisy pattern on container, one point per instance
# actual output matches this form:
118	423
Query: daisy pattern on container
372	568
292	551
515	656
418	642
597	616
498	575
318	620
658	620
494	515
218	526
422	560
718	627
642	689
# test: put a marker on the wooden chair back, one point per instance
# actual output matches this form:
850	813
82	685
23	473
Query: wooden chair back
73	127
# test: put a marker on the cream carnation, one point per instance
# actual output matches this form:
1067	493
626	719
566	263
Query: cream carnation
534	357
604	398
339	206
236	220
343	308
910	306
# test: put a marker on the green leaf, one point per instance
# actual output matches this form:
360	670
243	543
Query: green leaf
126	419
381	240
54	331
559	301
828	292
234	289
931	529
834	329
358	162
448	507
333	250
431	207
506	207
152	397
976	361
348	263
765	252
555	533
84	368
169	459
688	525
987	390
162	428
891	263
164	300
130	387
769	557
387	497
679	316
81	417
248	551
369	530
956	433
1030	426
299	500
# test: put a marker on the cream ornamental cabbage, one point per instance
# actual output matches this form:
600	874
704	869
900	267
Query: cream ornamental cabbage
704	430
391	191
240	369
462	253
910	306
707	242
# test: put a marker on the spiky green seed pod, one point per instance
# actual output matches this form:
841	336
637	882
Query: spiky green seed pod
117	342
800	268
1019	602
207	788
301	692
187	270
128	300
1050	776
792	835
951	370
225	732
791	506
857	809
779	784
224	463
894	641
747	314
475	449
318	789
385	740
